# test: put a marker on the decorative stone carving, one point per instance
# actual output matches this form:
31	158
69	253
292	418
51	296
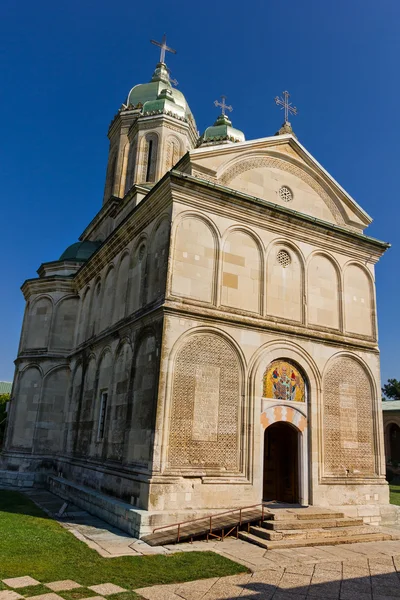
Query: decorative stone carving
348	432
268	161
205	405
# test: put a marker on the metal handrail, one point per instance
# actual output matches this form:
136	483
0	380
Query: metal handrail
233	510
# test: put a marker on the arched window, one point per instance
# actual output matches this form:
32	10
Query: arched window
149	153
130	176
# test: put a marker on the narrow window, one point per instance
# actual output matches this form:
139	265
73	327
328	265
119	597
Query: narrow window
102	415
149	161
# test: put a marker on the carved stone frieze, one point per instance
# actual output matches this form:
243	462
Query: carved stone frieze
268	161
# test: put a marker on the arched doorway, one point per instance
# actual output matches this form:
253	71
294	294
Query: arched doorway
394	438
281	463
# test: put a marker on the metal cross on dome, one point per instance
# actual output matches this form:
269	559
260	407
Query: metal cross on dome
286	105
223	105
164	48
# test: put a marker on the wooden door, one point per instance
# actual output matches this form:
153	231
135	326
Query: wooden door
281	464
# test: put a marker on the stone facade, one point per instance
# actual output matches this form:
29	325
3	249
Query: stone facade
144	371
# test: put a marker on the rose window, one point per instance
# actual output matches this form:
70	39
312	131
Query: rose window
285	194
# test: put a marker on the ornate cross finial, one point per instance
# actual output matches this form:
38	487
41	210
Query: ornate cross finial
164	48
223	105
286	105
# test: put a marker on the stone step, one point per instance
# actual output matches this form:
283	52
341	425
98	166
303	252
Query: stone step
299	543
303	514
312	523
305	534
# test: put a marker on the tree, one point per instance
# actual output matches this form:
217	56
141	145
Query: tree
4	398
391	390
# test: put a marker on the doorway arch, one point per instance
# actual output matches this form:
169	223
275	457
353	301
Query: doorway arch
281	470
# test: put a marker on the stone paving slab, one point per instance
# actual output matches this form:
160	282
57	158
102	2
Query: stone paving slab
50	596
63	586
106	589
9	595
20	582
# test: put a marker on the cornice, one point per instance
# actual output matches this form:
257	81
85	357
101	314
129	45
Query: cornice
261	213
145	122
140	216
48	284
217	316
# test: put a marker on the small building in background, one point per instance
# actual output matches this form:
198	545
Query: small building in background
5	387
391	427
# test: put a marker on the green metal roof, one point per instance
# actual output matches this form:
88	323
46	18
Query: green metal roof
5	387
144	93
80	251
221	131
390	405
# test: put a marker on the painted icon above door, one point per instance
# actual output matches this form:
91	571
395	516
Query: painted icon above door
283	381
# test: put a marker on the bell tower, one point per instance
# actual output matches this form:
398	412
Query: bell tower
150	133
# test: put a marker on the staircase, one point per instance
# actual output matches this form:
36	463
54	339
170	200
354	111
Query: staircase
310	526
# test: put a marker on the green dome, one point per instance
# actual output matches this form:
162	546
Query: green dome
150	92
80	251
221	132
165	103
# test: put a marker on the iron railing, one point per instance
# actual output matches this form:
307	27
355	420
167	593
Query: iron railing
209	528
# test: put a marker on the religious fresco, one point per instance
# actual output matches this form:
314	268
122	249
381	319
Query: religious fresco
283	381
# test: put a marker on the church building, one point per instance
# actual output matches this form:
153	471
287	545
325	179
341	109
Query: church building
211	339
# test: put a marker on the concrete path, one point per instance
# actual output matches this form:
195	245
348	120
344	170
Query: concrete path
346	572
362	571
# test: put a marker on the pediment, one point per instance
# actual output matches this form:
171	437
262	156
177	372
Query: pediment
261	169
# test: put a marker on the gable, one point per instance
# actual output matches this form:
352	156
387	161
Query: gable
266	178
263	167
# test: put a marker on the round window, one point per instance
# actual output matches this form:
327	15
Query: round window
285	193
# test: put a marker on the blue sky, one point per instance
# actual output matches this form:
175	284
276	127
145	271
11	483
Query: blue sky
67	66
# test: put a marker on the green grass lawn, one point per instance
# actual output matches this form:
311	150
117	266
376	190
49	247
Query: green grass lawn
394	494
33	544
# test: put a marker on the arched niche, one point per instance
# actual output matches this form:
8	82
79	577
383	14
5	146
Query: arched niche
205	412
142	409
323	293
107	304
86	416
173	152
121	288
358	301
82	331
348	418
102	401
119	403
194	260
285	283
95	310
241	272
62	335
26	404
39	323
137	277
49	431
159	260
72	409
130	175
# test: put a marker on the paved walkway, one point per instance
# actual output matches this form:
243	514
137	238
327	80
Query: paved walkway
369	571
362	571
